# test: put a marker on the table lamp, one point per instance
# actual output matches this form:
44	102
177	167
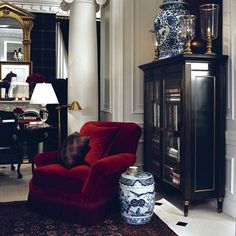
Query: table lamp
43	94
74	106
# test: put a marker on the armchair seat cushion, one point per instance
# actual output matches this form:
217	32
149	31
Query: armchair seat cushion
58	177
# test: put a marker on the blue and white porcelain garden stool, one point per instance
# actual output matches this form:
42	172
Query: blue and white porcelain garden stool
137	196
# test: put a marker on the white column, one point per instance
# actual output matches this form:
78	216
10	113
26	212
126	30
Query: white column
82	63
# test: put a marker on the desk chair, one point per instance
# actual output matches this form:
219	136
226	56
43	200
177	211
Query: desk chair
10	150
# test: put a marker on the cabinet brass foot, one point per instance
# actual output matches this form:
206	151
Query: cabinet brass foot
220	204
186	205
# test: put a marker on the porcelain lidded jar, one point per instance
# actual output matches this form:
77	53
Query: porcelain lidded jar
137	196
167	27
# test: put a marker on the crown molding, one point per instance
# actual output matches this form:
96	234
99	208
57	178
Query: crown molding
43	6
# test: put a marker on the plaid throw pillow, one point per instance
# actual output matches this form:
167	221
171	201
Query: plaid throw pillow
73	150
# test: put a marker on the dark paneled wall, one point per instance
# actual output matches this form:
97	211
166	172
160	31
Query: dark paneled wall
43	55
60	87
43	45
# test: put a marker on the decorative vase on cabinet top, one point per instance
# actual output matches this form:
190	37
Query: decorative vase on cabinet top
167	28
137	196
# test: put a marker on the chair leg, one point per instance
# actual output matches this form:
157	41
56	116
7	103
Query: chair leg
20	160
18	171
12	167
32	167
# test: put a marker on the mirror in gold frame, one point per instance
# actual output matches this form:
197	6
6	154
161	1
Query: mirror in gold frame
26	20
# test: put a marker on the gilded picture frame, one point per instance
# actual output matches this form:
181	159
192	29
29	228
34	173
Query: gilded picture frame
18	71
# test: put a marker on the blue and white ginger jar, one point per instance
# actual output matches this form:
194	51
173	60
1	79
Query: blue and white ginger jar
137	196
167	27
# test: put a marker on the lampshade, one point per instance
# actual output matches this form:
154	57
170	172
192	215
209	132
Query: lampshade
44	94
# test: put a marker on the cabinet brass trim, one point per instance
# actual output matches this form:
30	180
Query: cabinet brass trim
214	122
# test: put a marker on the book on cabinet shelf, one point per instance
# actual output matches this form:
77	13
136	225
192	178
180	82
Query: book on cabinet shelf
172	174
173	148
176	180
173	91
156	114
173	97
174	153
173	117
173	94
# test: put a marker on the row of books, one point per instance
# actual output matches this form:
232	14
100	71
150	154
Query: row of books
156	115
172	90
170	169
175	178
172	141
172	116
172	174
172	180
173	94
173	153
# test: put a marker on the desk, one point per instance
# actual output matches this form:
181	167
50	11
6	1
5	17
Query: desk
18	141
30	137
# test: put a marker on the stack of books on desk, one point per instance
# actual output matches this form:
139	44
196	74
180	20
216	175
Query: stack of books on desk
37	122
36	125
28	119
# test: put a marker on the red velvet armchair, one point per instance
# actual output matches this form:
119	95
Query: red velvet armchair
85	194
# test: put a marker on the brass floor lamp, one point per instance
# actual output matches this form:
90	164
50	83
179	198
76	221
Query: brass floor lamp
74	106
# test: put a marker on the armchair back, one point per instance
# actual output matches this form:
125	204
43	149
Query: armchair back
125	140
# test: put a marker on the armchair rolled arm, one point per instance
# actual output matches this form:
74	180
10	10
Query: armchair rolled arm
45	158
113	164
108	167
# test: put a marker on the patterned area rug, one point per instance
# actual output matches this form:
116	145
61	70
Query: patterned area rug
17	220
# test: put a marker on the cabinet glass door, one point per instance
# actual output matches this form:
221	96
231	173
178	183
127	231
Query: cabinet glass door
172	112
149	104
148	120
156	135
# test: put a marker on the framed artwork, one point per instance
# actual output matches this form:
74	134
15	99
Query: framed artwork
13	77
11	50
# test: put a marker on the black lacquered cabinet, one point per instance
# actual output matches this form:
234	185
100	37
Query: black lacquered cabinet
184	125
